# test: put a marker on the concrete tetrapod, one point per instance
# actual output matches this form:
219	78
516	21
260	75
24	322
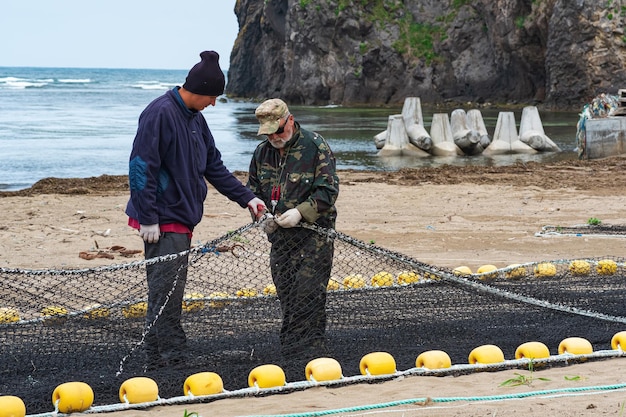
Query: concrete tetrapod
441	134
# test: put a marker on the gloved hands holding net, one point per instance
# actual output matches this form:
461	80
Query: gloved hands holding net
290	218
268	223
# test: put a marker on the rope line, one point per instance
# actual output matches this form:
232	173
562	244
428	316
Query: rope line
557	392
427	400
345	381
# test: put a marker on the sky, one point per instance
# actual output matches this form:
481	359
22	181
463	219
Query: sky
156	34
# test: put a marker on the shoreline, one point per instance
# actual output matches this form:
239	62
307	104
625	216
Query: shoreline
440	175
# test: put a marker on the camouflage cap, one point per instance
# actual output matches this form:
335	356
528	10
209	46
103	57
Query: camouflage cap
269	114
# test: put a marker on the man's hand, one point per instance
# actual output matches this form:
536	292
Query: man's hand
149	232
257	207
290	218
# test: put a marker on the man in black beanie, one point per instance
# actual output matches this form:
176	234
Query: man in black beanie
206	77
172	155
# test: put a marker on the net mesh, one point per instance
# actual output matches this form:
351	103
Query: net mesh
89	325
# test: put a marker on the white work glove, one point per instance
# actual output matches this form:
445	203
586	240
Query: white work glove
149	232
267	223
257	207
290	218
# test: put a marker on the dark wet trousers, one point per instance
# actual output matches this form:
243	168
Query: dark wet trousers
301	263
165	341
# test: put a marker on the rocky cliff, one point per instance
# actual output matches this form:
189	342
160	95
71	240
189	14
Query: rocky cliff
560	53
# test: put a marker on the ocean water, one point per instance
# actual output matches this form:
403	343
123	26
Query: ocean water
80	122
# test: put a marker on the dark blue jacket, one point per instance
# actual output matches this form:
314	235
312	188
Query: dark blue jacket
173	152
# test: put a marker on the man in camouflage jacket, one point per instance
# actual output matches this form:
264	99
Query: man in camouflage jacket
294	172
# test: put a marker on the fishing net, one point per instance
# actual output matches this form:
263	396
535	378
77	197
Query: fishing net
603	105
89	325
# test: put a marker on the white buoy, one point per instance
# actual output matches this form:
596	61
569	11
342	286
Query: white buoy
441	134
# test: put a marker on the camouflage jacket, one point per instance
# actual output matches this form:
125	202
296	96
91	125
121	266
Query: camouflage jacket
305	177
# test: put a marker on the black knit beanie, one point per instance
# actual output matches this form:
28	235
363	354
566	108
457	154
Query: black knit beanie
206	77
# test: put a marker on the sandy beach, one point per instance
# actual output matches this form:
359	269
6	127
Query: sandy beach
447	216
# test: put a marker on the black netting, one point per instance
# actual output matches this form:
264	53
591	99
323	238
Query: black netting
93	323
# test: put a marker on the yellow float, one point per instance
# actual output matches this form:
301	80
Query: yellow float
619	341
354	281
72	397
462	270
431	276
408	277
382	279
11	406
218	303
515	271
135	311
193	302
333	285
323	369
269	289
247	292
606	267
377	363
266	376
532	350
139	390
487	272
9	315
433	359
545	270
203	383
486	354
575	346
96	311
580	268
54	315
